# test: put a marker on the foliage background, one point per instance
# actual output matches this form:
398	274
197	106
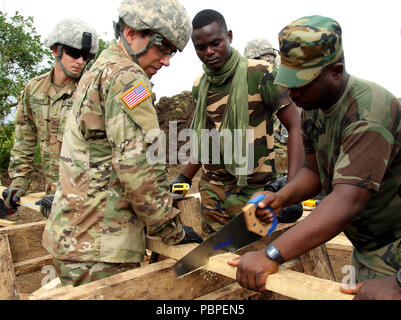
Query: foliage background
22	57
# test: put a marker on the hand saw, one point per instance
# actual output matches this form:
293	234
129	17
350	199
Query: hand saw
238	233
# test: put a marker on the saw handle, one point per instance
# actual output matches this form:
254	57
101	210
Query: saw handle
253	224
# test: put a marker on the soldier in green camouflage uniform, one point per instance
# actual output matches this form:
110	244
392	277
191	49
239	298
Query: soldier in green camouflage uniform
352	138
253	102
261	49
44	106
108	192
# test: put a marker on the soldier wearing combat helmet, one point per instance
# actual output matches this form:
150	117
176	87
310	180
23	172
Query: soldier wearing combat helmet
43	109
108	191
260	48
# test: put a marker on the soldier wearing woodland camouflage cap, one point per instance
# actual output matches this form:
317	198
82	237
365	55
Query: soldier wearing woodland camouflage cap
43	109
352	138
236	94
108	192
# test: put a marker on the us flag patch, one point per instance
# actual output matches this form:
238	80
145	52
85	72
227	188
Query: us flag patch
136	95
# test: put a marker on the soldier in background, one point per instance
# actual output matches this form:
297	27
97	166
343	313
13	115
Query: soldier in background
108	191
261	49
43	109
235	93
352	139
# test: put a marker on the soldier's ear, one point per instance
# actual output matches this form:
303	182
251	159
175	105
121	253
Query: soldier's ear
337	70
230	36
54	50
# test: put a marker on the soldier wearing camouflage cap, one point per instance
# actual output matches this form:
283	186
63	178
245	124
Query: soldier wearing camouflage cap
352	138
108	191
43	109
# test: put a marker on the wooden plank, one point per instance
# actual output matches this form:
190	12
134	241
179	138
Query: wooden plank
32	265
7	223
52	285
236	292
26	241
8	287
286	282
231	292
340	242
152	282
30	199
316	262
191	214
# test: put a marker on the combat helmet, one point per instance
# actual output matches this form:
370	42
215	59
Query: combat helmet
76	34
168	19
260	48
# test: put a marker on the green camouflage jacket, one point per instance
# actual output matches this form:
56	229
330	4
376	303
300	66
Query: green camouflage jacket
41	116
357	142
108	191
265	100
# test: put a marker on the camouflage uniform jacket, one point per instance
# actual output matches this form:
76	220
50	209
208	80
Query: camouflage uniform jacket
41	116
108	191
265	100
357	142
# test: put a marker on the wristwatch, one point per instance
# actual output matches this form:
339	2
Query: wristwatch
399	277
273	253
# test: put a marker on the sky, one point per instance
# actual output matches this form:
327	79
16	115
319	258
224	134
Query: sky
371	31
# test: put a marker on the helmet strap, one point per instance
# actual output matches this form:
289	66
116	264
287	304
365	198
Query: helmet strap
156	39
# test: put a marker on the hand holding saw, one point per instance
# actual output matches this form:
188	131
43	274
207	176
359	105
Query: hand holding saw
244	229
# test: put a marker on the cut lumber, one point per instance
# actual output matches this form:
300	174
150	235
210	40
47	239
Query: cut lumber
191	214
26	241
7	223
316	262
52	285
340	242
32	265
286	282
8	287
30	199
152	282
231	292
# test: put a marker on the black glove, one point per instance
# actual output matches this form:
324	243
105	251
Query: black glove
276	185
181	179
291	214
45	205
4	211
191	236
13	195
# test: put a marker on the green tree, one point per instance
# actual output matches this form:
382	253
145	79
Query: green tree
22	57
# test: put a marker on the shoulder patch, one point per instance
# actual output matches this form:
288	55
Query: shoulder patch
136	95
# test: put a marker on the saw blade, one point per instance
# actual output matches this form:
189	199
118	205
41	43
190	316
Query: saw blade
232	237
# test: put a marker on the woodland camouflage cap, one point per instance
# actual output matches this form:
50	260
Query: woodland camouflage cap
70	32
165	17
307	45
257	48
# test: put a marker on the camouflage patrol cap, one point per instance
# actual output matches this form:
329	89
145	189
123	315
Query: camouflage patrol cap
257	48
70	32
307	45
165	17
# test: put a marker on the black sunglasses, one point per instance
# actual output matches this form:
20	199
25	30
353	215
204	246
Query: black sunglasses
76	54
